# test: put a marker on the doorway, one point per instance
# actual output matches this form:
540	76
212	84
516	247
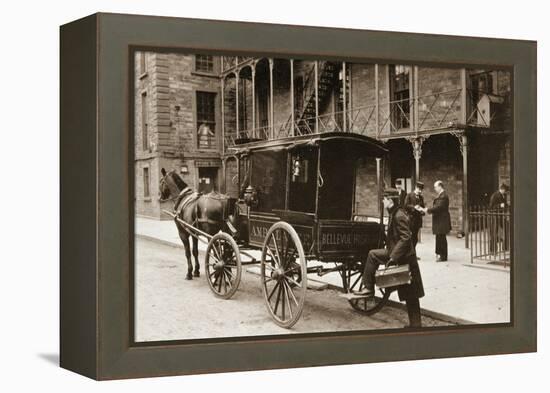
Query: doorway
483	156
208	179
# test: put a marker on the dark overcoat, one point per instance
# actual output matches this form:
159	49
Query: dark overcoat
400	249
496	201
441	221
415	216
402	196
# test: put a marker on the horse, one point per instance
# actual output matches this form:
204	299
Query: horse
207	212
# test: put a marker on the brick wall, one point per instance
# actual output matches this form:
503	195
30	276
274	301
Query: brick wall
281	93
441	160
363	94
439	97
230	119
366	188
504	163
231	178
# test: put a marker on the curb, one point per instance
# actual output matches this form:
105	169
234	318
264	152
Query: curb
166	242
487	267
423	311
160	241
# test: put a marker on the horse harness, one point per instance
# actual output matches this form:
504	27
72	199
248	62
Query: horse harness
185	197
223	201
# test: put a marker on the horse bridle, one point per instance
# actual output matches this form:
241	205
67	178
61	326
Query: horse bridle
163	180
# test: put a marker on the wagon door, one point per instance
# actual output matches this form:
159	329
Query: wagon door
337	184
302	188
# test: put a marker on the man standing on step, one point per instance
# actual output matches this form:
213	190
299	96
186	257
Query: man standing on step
399	251
441	221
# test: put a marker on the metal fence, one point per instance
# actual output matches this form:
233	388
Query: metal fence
489	235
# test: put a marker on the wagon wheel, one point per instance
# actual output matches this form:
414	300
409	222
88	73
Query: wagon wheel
352	278
223	265
283	274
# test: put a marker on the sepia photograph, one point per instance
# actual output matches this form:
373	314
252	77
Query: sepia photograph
277	196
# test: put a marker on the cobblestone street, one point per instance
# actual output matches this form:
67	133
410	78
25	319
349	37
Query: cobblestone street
168	307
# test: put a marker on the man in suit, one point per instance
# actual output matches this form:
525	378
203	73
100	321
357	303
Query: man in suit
441	221
401	191
399	250
412	200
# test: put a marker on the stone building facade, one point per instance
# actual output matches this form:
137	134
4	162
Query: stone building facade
449	124
177	124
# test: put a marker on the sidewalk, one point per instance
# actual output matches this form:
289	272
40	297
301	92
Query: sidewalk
456	288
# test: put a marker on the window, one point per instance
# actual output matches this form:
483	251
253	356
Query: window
300	170
481	83
400	95
144	122
146	188
206	120
204	63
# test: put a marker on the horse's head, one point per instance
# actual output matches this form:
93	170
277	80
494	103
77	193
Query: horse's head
171	184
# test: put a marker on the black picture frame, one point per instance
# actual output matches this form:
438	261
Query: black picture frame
97	221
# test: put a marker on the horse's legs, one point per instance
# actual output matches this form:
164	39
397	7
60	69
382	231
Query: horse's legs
197	272
184	236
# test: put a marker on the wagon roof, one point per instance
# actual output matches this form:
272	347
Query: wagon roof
371	146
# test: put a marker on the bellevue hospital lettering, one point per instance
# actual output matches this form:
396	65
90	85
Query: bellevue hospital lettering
343	239
449	124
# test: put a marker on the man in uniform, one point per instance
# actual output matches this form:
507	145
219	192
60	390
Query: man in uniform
441	221
402	193
400	251
498	233
413	200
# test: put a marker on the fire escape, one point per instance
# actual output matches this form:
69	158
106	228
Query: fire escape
316	101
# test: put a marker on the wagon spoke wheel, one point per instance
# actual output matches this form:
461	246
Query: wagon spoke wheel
223	265
283	274
353	276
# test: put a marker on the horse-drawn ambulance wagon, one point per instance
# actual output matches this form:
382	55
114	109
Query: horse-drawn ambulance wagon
296	205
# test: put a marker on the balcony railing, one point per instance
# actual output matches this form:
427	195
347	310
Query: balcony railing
431	112
230	62
439	110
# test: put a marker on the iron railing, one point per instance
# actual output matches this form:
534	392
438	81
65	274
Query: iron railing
489	235
232	62
437	111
